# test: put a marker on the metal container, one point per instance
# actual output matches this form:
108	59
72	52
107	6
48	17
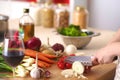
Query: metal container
3	26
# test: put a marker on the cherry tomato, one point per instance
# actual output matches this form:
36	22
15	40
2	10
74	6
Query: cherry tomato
61	65
68	65
72	54
62	59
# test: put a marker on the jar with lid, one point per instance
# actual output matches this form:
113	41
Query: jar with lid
61	16
80	17
47	14
26	25
35	12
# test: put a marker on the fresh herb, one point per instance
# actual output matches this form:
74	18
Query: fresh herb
72	30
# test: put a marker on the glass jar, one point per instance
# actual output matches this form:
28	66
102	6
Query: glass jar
80	17
47	14
61	16
36	13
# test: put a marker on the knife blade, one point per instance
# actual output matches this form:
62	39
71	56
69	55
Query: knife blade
85	60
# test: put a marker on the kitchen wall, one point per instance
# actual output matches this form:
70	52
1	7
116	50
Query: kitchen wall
103	14
14	9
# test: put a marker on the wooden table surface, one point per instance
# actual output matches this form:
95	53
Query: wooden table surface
100	72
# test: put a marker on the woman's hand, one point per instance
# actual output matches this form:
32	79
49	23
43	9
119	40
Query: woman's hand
106	54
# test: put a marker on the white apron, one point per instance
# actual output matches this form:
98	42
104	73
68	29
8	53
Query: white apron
117	74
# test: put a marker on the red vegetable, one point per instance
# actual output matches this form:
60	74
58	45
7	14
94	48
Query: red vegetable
68	65
61	65
34	43
58	47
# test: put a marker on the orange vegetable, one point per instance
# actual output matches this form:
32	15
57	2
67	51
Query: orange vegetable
32	53
43	64
48	55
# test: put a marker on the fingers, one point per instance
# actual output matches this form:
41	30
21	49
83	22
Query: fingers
101	61
94	60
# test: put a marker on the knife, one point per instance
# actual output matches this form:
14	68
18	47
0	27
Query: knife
85	60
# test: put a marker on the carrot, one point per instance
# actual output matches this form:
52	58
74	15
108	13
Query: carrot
32	53
48	55
43	64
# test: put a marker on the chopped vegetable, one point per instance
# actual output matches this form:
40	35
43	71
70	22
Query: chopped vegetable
21	71
67	73
78	67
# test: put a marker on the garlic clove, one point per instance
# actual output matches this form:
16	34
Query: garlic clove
35	73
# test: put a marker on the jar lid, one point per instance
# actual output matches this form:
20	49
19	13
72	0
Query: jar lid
26	10
79	8
3	17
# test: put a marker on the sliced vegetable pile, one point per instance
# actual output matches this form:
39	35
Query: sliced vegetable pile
73	30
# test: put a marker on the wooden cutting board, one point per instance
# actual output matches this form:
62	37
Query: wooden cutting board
100	72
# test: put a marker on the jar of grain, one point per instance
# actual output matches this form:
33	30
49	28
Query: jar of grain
80	16
36	13
47	14
61	16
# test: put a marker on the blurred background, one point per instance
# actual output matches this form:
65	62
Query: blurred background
103	14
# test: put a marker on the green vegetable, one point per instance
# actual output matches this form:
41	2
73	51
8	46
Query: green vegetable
83	34
1	59
4	76
89	32
72	30
3	66
0	50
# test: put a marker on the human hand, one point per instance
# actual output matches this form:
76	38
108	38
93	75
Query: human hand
106	54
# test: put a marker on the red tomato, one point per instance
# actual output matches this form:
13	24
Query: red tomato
62	58
72	54
68	65
61	65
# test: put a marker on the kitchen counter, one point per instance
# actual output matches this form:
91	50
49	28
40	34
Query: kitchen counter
43	33
100	72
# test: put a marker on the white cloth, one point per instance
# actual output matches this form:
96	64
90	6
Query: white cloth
117	74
